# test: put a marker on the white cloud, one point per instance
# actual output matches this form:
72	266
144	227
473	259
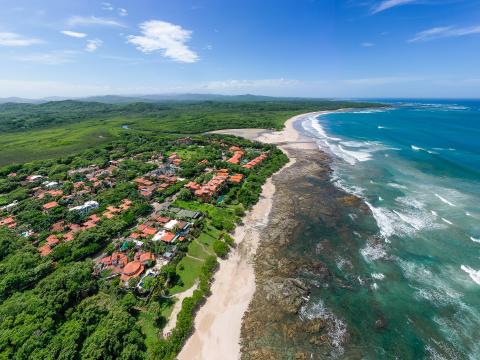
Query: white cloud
122	12
14	39
93	45
74	34
58	57
107	6
367	44
444	32
247	85
388	4
376	81
92	20
169	39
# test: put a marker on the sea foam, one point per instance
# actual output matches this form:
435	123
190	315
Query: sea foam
337	329
445	200
474	274
474	240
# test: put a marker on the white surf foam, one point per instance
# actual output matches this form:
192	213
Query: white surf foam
378	276
474	240
384	220
350	189
337	329
397	186
414	222
447	221
445	200
474	274
356	155
372	252
314	123
416	148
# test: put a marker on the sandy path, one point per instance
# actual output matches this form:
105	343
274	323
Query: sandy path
172	320
218	322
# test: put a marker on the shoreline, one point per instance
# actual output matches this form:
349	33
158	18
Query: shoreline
218	323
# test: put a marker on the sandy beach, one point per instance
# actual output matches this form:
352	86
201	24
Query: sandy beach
218	322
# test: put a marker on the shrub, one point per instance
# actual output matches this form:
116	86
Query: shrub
220	248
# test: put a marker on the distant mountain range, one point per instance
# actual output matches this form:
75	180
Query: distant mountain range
119	99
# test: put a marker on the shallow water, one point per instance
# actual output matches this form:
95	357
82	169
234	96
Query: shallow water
414	270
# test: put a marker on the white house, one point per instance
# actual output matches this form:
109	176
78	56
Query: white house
85	208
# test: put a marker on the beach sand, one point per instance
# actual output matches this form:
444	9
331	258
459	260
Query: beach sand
218	322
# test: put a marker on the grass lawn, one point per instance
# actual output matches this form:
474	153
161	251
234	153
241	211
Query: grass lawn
189	267
189	274
150	329
212	210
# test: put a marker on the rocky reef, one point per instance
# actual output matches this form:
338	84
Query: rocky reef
288	267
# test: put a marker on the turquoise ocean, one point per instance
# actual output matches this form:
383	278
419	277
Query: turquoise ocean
415	274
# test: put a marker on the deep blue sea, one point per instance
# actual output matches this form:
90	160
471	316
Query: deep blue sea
417	167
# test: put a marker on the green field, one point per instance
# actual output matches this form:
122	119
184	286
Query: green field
66	127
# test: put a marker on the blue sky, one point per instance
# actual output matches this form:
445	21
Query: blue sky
319	48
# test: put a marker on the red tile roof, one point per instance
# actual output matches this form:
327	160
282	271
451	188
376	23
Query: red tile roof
142	181
50	205
44	250
52	240
58	226
68	236
168	237
132	270
235	159
236	179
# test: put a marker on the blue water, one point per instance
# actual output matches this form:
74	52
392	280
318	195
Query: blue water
417	167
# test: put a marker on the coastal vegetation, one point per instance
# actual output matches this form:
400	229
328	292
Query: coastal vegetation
58	300
31	132
142	197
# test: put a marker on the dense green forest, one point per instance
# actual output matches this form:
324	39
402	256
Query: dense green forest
187	117
52	129
56	307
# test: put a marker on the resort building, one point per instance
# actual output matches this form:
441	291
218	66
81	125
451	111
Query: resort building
85	208
235	159
8	222
50	205
255	161
132	270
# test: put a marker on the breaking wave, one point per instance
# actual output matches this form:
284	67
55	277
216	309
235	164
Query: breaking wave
337	329
445	200
474	274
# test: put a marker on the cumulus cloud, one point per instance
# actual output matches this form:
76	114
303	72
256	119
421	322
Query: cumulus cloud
14	39
73	34
93	45
107	6
122	12
168	39
92	21
388	4
58	57
444	32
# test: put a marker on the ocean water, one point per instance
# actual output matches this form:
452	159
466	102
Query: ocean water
414	271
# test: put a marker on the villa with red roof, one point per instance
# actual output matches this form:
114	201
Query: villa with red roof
132	270
50	205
